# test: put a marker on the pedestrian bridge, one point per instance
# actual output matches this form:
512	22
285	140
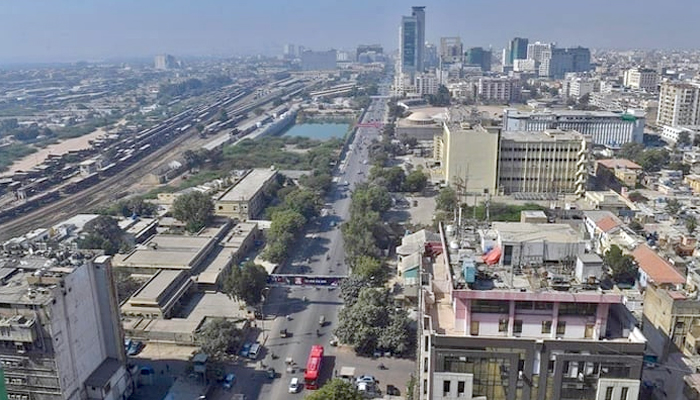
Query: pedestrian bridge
304	280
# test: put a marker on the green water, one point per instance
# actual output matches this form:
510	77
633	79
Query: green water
323	131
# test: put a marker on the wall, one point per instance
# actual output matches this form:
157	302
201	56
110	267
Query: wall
454	378
632	386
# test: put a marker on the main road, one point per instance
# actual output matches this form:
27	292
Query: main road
320	252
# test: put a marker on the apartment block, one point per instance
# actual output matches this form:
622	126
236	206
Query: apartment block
641	78
502	90
679	104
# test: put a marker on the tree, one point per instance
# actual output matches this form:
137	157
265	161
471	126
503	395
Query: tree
631	151
683	140
637	197
103	233
446	200
623	266
219	337
246	283
303	201
441	99
673	206
415	181
392	178
350	288
336	389
137	206
194	209
368	267
223	115
691	225
653	159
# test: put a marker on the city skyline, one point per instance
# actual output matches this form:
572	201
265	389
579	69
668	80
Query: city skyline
46	31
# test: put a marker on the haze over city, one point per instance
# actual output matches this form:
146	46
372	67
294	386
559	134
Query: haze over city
59	31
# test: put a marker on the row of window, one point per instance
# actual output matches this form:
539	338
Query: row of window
518	326
503	307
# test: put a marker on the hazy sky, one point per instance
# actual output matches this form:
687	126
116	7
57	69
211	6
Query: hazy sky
68	30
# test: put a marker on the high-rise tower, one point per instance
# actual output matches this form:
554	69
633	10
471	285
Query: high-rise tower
412	42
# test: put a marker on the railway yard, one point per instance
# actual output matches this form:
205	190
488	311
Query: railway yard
63	186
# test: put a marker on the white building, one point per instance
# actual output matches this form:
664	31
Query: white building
426	84
61	331
670	133
605	127
498	89
641	78
550	161
679	104
526	65
539	51
578	87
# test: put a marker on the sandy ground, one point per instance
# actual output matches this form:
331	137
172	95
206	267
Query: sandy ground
78	143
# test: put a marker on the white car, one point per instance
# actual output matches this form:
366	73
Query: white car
367	379
294	385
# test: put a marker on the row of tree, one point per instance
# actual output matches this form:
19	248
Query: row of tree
396	180
288	220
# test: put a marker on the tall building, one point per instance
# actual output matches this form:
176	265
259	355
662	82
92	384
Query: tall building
450	50
498	89
641	78
478	56
538	51
517	49
368	48
61	331
562	61
679	104
164	61
468	155
605	128
319	60
549	161
426	84
290	51
412	42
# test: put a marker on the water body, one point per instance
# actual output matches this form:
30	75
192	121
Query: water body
323	131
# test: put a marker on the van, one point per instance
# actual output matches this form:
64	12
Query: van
254	350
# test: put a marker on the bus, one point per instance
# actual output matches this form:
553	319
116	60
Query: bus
313	367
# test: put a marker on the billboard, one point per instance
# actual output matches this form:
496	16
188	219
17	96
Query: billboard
303	280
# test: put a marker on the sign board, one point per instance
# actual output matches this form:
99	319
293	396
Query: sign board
303	280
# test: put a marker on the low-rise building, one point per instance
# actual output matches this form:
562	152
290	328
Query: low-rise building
624	171
161	296
421	125
246	199
641	78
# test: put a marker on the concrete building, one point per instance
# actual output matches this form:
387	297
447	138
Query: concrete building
549	161
679	104
420	125
522	333
500	90
246	199
578	87
478	56
641	78
365	49
538	51
468	156
290	51
626	172
164	62
319	60
525	66
670	134
426	84
562	61
412	42
604	127
61	331
451	50
161	296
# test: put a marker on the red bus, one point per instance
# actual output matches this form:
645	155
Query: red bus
313	367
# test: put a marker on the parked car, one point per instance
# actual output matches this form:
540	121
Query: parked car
284	333
134	348
294	385
245	350
271	373
366	379
229	380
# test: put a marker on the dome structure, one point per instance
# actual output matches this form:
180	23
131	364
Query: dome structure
420	118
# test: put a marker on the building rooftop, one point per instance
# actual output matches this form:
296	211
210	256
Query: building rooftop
615	163
658	269
103	373
515	113
525	232
549	135
166	251
248	186
156	285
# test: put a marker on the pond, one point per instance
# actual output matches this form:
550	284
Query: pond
322	131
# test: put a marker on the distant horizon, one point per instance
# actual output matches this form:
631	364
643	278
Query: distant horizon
45	31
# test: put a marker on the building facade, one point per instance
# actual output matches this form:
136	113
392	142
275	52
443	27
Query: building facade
538	51
604	127
319	60
641	78
679	104
550	161
426	84
562	61
517	49
479	56
501	90
62	332
246	199
412	42
451	50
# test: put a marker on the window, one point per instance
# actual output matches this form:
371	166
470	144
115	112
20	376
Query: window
460	387
561	328
446	388
474	328
623	395
518	326
608	393
503	325
490	306
546	326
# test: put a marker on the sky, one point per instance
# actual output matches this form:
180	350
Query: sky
72	30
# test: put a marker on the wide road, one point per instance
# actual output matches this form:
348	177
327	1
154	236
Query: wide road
321	252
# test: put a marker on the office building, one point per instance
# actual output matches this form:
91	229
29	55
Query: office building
290	51
671	134
478	56
679	104
426	84
61	331
364	49
468	156
503	327
499	90
246	199
525	66
577	87
641	78
605	128
450	50
319	60
412	42
431	57
562	61
538	51
517	50
165	61
549	161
